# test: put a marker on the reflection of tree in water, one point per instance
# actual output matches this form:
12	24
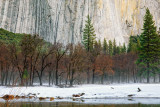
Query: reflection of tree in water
67	104
56	104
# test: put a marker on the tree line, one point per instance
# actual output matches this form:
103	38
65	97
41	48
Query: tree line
32	61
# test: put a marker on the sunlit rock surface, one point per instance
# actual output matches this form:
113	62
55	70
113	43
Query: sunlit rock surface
64	20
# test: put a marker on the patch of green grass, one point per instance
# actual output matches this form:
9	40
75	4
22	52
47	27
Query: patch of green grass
10	37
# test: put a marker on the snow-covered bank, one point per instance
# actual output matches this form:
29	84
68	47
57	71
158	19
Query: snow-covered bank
91	91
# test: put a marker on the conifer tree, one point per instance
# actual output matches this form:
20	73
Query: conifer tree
105	47
124	49
131	46
118	50
89	35
110	48
97	49
114	47
100	45
149	49
138	44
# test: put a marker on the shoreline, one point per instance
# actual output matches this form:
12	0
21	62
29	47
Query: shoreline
116	101
87	91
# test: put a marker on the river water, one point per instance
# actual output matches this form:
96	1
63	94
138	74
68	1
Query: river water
119	102
72	104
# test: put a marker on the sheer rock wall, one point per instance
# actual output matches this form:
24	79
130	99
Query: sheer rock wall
64	20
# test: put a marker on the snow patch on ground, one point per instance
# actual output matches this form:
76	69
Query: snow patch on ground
91	91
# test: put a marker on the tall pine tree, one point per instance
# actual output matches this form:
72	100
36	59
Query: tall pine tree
105	47
149	49
123	49
110	48
100	45
89	35
138	45
114	47
132	46
118	50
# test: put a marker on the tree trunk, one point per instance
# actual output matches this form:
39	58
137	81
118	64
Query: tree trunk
128	77
154	77
57	73
102	79
148	73
30	77
68	74
2	78
93	76
88	76
33	77
53	74
2	74
13	80
119	77
40	79
49	78
72	78
10	77
134	77
6	80
140	78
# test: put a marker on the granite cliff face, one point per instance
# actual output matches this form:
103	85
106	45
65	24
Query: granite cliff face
64	20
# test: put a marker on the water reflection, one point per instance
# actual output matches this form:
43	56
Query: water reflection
68	104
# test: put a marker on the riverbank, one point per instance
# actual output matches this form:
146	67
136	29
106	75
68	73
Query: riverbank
87	91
